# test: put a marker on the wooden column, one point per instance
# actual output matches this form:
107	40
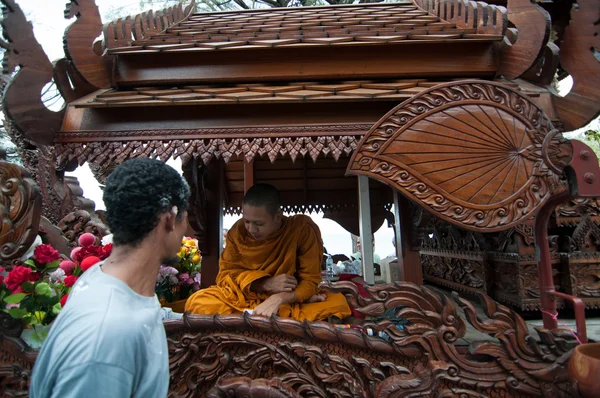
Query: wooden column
366	234
248	175
408	260
215	180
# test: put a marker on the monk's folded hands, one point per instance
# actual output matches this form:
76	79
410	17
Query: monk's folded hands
276	284
271	305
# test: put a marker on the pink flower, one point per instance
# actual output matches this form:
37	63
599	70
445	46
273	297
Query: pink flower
67	266
87	239
196	287
190	281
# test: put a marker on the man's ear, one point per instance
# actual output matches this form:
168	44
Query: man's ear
170	219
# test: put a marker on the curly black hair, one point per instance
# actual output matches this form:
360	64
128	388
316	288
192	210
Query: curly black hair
137	192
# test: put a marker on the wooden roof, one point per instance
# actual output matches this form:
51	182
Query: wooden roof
304	27
400	90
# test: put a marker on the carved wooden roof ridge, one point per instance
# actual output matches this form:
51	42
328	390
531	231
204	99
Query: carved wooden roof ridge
312	26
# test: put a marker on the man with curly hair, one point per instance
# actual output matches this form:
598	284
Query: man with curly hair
270	265
109	340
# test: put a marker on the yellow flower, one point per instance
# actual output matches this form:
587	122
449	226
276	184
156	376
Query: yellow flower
196	259
182	252
190	243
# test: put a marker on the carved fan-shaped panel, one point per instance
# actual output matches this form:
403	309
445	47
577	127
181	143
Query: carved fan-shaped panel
478	154
20	211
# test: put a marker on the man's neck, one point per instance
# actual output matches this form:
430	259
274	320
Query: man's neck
136	266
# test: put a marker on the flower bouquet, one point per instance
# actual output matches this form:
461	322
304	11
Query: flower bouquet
174	284
29	295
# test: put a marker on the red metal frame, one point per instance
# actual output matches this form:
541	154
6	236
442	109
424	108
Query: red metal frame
583	175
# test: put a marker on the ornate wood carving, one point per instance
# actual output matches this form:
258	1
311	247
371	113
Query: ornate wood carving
23	96
74	224
20	211
421	359
579	57
533	25
108	153
487	19
477	154
121	32
79	42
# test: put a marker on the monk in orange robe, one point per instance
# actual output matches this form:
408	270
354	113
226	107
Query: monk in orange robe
271	264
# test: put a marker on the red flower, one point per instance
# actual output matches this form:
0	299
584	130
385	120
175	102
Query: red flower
106	250
44	254
88	262
63	300
1	279
70	280
34	276
17	276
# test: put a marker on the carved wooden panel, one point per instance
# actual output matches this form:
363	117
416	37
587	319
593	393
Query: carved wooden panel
478	154
485	18
74	224
20	211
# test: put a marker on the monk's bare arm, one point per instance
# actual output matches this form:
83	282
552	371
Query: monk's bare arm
277	284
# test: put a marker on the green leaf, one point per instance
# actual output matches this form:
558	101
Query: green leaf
15	298
18	313
56	308
27	287
30	263
47	301
52	265
43	289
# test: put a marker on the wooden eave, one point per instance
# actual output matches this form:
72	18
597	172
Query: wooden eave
365	41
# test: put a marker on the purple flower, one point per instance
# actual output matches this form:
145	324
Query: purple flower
197	277
196	287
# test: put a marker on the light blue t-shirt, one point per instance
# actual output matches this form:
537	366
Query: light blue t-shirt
108	341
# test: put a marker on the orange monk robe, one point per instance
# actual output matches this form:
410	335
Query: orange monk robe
296	249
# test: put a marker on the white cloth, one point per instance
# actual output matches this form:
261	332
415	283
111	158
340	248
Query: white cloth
108	341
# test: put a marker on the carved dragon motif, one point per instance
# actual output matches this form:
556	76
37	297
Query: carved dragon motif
23	96
580	57
420	359
79	42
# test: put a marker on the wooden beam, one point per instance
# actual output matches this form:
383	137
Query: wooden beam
366	235
405	60
215	179
248	175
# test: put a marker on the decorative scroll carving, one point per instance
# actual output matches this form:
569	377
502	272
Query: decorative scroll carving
79	42
477	154
533	25
20	211
458	273
14	381
421	359
73	225
487	19
578	206
579	56
238	386
121	32
23	96
103	153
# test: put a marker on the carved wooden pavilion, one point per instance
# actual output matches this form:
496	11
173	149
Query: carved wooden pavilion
444	102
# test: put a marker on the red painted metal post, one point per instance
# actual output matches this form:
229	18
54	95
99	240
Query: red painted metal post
543	259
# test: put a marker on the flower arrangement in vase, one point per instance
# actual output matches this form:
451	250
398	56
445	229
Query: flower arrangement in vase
174	284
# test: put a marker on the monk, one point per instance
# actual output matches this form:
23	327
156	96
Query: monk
271	264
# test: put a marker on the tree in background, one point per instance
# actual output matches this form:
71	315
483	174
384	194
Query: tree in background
221	5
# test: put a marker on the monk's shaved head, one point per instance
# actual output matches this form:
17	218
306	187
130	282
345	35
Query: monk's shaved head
264	195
